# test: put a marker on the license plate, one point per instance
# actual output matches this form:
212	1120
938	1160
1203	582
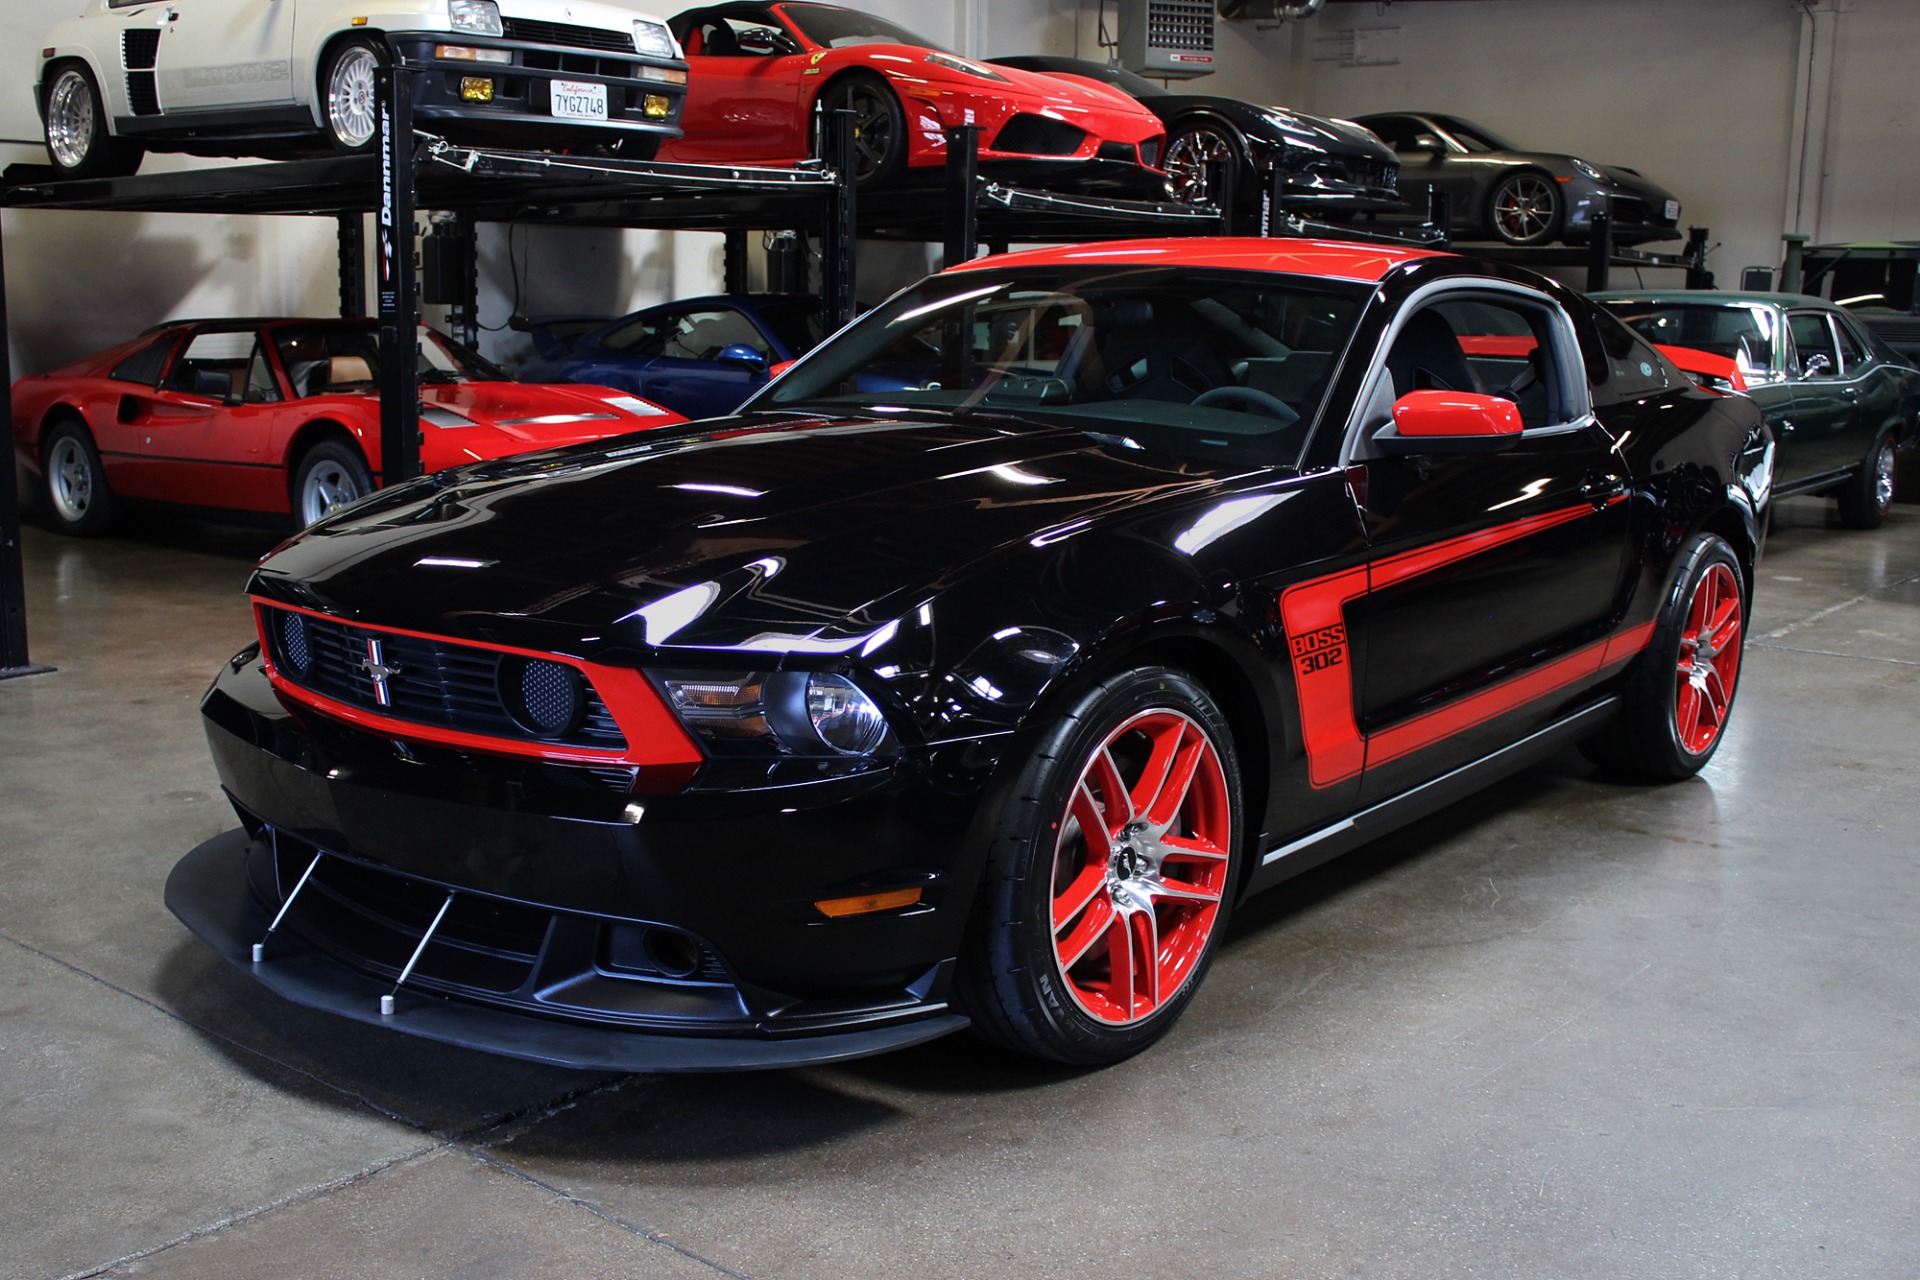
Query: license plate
575	101
1673	211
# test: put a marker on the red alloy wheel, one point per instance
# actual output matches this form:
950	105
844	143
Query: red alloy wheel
1709	663
1140	866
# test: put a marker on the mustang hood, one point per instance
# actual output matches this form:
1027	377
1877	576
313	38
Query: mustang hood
754	532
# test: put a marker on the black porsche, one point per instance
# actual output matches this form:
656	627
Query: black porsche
979	666
1328	165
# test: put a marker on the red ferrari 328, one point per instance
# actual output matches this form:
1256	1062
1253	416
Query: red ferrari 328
759	70
275	416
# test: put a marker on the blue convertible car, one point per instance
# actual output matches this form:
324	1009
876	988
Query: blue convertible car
700	357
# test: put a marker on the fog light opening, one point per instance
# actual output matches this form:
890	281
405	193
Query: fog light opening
476	89
673	954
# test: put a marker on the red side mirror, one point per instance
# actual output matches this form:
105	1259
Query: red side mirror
1429	414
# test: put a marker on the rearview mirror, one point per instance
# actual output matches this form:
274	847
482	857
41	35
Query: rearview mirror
1449	422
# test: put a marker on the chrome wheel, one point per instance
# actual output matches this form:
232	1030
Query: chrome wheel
350	91
1526	209
71	480
1885	463
1196	161
1140	867
73	118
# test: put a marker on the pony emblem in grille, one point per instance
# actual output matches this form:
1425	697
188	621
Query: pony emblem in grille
376	666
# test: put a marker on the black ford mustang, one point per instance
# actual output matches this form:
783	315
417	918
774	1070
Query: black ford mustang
979	666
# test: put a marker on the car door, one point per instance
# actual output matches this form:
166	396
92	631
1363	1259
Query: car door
1826	399
205	436
1871	387
219	55
1426	158
745	83
1494	573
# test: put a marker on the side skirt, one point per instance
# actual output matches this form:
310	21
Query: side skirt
1304	854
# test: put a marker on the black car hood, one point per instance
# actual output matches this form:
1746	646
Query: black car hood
773	534
1281	125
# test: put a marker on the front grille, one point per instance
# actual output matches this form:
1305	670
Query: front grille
577	64
1627	209
428	682
535	32
1039	136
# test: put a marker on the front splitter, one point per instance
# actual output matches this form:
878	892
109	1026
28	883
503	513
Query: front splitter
207	890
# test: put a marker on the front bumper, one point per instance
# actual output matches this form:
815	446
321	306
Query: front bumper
548	911
208	891
521	109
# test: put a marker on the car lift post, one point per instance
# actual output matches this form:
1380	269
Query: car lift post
1698	277
1599	251
1440	214
963	200
734	257
836	241
353	264
13	584
399	282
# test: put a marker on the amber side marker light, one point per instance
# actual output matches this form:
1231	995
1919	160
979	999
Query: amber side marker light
868	902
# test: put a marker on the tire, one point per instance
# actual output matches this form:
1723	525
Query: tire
1197	157
1526	208
348	111
1079	994
1680	692
879	128
330	475
76	496
75	127
1866	499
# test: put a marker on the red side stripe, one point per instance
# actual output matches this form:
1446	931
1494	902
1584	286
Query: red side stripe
1314	616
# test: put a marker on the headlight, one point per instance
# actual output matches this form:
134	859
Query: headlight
845	718
653	38
965	68
479	16
793	712
1582	167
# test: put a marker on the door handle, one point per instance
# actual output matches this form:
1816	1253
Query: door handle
1603	489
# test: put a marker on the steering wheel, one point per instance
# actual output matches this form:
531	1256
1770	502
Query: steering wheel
1273	406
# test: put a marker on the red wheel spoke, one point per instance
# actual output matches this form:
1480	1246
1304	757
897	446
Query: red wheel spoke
1708	660
1094	925
1180	891
1094	827
1105	774
1146	792
1085	888
1190	849
1178	781
1120	966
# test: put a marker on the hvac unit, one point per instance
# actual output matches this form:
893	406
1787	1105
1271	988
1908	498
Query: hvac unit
1167	39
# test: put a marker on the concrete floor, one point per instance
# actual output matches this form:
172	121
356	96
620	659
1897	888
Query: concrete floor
1566	1029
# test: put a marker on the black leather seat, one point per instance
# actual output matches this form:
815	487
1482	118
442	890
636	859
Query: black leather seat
1427	357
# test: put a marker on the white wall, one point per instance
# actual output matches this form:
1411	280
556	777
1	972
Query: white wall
1701	94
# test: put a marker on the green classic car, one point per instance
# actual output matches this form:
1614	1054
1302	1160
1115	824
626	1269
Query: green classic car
1839	399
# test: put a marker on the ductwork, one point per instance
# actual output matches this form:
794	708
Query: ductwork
1270	10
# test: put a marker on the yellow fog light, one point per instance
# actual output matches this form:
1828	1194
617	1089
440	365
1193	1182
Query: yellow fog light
656	106
869	902
476	89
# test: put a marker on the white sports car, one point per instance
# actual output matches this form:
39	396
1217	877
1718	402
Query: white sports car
270	77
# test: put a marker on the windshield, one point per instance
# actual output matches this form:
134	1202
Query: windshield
1223	366
326	359
1472	136
797	322
832	27
1740	332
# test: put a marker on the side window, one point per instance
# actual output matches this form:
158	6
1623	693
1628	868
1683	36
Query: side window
214	365
144	365
1853	349
702	335
1813	340
261	387
1486	344
1630	368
